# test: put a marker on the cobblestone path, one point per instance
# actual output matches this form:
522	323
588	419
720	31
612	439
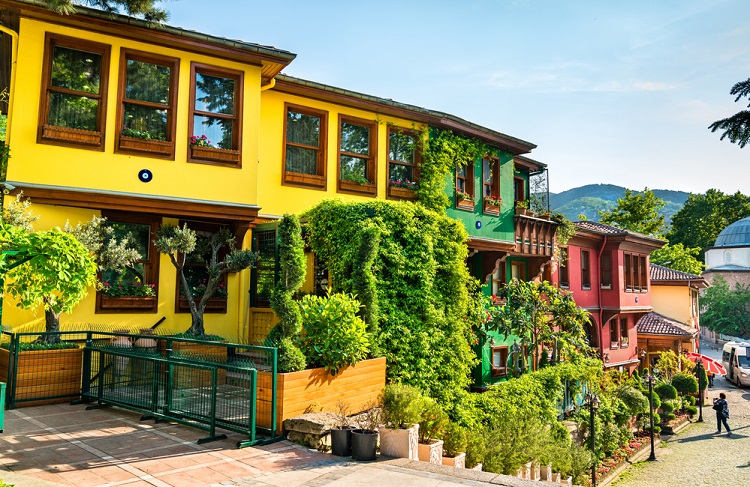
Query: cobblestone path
696	455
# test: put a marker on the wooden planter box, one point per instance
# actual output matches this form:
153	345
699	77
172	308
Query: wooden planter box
155	147
45	373
313	180
128	303
401	193
215	155
356	385
214	305
492	209
352	187
464	204
66	134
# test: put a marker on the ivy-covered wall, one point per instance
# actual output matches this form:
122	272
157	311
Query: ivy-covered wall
425	307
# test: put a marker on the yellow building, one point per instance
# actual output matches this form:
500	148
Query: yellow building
146	125
674	322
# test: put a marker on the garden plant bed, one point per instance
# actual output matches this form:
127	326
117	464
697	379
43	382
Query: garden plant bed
675	425
612	467
356	385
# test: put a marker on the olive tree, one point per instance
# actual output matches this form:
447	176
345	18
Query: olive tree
179	243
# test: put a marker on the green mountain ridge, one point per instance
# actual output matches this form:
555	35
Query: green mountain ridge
588	200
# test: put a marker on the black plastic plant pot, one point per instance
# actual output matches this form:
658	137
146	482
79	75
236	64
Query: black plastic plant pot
341	442
364	444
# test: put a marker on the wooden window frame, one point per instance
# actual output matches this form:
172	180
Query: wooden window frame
493	184
106	304
212	155
628	271
521	266
501	371
395	192
317	180
263	266
585	269
624	338
69	137
564	269
468	183
497	284
605	271
215	305
371	187
519	186
148	148
643	264
614	332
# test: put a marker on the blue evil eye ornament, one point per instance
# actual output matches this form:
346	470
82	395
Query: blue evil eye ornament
145	175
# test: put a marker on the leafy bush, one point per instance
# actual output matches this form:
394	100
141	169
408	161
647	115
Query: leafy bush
476	449
690	400
334	336
291	358
432	421
633	399
454	440
667	407
665	391
401	405
685	383
691	410
668	364
36	346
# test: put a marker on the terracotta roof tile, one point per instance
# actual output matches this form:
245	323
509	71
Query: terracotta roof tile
655	324
661	273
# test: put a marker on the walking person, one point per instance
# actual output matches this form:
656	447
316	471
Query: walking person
722	413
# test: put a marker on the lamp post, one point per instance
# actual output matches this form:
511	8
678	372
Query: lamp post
593	402
699	364
650	378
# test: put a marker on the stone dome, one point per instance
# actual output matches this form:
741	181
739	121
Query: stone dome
735	235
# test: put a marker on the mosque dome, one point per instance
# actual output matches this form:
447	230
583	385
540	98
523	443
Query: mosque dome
735	235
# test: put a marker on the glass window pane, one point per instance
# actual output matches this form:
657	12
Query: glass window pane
461	171
77	112
301	160
214	94
76	70
400	172
218	130
149	123
355	138
401	147
461	185
121	283
138	234
354	169
487	170
302	129
147	82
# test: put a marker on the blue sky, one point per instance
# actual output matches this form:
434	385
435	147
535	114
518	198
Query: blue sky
616	92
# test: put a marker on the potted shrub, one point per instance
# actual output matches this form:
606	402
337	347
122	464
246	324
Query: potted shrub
432	424
402	409
365	439
454	446
341	435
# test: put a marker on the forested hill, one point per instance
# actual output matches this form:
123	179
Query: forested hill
589	199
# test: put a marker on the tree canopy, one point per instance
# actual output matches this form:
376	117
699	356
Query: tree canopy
679	258
726	309
637	212
704	216
737	127
145	9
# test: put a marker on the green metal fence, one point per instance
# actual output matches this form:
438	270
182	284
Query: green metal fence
204	384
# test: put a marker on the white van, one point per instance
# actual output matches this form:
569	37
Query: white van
734	358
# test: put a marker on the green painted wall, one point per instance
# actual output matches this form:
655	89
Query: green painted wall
495	227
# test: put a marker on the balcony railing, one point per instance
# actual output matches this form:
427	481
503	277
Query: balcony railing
534	235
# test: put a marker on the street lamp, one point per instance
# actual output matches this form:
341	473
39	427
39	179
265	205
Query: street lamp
699	364
650	379
593	403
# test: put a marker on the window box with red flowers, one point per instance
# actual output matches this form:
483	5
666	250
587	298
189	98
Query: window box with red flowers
403	189
127	297
492	205
464	200
202	150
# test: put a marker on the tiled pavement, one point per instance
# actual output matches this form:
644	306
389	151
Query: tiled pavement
67	445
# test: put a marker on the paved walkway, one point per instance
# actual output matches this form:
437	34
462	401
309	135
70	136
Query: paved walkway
696	456
63	445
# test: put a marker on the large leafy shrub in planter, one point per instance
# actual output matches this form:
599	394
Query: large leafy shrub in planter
685	383
401	405
334	336
665	391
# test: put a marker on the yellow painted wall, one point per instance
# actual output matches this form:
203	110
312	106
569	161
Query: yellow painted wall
672	302
277	199
63	166
230	325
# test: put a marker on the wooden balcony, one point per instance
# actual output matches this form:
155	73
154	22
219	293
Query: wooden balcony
534	235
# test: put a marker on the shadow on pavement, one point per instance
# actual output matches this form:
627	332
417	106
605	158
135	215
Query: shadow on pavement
707	436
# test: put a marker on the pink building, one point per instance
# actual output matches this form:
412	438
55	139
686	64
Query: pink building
607	270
